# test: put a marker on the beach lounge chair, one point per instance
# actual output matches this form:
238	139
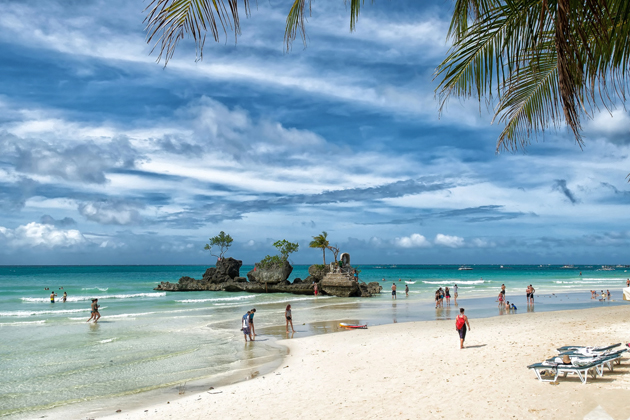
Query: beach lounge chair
602	360
557	369
592	349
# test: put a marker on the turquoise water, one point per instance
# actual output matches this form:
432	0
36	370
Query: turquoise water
149	341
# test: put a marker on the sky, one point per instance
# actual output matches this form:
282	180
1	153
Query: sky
108	157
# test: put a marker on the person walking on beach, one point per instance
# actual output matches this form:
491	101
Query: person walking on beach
315	289
447	293
608	294
245	327
251	321
531	294
393	290
289	318
460	325
65	296
406	290
455	294
95	315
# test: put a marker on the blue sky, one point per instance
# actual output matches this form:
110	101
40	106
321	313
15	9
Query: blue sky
110	158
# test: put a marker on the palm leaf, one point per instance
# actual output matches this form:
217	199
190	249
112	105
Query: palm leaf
168	21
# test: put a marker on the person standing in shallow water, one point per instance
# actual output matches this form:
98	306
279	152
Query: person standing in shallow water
52	297
393	290
460	325
455	294
65	297
406	290
245	326
289	318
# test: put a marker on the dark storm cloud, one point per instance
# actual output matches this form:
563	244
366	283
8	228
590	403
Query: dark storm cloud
86	161
561	185
65	222
221	209
489	213
13	196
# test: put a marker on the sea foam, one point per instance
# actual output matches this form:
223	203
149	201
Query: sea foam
216	299
457	282
84	298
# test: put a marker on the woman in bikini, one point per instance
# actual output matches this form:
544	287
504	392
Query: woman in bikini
288	317
447	293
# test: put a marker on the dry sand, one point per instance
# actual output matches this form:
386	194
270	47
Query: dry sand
416	370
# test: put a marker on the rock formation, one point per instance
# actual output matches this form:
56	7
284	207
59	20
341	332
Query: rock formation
226	277
271	275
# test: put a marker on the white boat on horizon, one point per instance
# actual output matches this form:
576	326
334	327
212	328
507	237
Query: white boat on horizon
568	266
463	267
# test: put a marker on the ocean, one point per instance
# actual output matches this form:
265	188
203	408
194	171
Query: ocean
158	345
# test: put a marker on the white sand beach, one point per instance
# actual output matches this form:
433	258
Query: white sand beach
416	370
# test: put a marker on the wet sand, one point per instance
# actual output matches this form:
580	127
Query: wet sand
416	370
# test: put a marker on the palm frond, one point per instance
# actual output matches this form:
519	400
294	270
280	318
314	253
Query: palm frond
168	21
296	19
530	103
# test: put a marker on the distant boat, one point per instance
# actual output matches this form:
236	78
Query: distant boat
501	266
463	267
410	282
606	268
568	266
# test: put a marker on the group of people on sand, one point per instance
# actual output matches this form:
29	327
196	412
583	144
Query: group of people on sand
247	323
441	294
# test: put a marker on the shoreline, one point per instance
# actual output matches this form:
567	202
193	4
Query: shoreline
358	373
290	346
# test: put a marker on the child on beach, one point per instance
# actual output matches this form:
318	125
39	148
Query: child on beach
500	298
251	321
289	318
608	294
245	327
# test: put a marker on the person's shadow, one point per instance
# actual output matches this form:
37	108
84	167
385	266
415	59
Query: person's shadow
476	346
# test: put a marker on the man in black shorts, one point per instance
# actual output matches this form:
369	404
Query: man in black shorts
393	290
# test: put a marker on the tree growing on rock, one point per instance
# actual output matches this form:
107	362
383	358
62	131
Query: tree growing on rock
285	248
321	241
222	241
335	250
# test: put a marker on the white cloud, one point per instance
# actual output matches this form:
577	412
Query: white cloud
482	243
415	240
449	241
36	234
